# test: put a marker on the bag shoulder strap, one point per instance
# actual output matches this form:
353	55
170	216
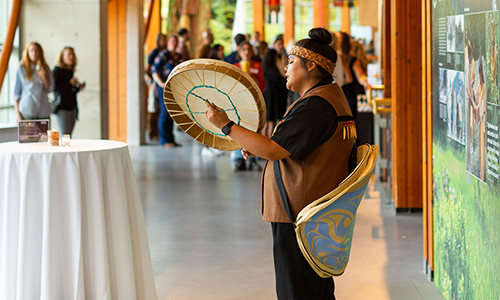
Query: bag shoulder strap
282	190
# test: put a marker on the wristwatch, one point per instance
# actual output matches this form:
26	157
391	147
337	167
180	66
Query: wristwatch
227	128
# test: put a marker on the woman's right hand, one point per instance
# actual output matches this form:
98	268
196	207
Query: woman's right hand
16	110
216	115
41	74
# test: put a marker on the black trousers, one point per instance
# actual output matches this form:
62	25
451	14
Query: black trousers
295	279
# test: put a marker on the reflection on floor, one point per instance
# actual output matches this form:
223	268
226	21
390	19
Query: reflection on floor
207	239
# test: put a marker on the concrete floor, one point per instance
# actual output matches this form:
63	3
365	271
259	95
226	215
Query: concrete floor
207	239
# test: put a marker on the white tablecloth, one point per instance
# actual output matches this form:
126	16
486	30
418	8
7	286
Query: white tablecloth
71	223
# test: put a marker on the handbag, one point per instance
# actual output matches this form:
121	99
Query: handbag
54	103
152	98
324	228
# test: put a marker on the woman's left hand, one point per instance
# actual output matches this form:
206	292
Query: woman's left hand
216	115
246	154
44	79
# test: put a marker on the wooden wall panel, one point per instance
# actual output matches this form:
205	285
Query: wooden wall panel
117	70
346	19
407	103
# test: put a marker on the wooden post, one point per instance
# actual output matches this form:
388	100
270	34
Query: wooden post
346	19
117	70
9	39
289	33
258	17
321	13
406	26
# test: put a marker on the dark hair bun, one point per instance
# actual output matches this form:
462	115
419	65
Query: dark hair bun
321	34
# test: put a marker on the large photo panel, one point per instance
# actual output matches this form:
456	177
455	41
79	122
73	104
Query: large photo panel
466	151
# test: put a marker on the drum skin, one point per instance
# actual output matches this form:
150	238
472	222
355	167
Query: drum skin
196	81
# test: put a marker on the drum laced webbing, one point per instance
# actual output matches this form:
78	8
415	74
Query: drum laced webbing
192	113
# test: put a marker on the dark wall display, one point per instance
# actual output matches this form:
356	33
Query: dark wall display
466	108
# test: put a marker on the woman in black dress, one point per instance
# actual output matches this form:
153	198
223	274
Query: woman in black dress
66	88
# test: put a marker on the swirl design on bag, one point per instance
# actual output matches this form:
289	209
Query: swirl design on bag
329	233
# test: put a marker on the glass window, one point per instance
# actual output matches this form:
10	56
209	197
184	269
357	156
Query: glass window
304	18
274	22
354	11
248	17
335	18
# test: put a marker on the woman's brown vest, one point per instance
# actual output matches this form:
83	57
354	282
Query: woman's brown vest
316	175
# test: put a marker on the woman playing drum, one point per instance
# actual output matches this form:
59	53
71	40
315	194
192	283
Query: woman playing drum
314	146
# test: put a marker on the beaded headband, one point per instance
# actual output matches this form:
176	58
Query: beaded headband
318	59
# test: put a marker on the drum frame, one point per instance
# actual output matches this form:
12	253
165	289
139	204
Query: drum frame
192	127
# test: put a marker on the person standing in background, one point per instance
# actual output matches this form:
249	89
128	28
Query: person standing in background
359	82
247	37
254	69
234	56
203	51
255	38
183	48
282	61
33	83
164	63
342	74
66	88
275	93
161	43
153	97
260	49
217	52
358	50
251	67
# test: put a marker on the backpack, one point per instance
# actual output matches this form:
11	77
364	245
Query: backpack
324	228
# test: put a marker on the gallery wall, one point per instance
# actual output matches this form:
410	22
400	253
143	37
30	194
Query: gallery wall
466	192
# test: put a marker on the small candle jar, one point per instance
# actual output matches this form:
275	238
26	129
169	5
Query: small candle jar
53	137
245	66
65	140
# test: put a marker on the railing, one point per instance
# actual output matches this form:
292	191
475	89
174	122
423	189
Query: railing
6	106
381	105
382	109
6	114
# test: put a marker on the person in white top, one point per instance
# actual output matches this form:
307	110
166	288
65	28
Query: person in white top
34	81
